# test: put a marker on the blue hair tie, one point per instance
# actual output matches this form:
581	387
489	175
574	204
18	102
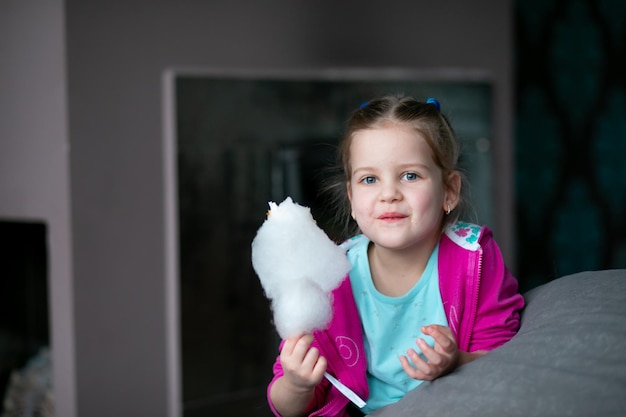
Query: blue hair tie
434	102
365	103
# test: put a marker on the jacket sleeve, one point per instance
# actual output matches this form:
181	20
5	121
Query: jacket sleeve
498	305
277	369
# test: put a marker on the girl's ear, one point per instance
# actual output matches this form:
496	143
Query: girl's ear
453	191
349	192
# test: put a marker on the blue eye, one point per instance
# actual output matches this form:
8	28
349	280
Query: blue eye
368	180
410	176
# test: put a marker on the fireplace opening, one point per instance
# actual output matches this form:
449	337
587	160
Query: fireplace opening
24	323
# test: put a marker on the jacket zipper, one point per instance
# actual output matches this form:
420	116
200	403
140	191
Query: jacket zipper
475	293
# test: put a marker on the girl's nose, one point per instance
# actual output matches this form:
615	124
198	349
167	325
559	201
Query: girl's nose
389	192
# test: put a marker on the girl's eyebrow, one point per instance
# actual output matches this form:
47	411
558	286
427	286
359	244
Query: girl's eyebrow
401	167
355	170
414	165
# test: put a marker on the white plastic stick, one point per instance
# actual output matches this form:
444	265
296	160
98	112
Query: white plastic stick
351	395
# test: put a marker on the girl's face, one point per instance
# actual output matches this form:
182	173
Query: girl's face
396	190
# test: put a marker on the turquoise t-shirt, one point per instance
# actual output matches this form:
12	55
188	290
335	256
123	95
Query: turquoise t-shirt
391	325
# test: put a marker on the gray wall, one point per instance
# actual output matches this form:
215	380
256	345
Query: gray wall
34	158
120	328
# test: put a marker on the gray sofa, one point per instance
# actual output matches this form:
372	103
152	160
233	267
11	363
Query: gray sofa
568	359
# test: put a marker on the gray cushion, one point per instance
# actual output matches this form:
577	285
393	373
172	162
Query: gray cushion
568	359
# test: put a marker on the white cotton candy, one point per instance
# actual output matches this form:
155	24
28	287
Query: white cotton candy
295	260
301	308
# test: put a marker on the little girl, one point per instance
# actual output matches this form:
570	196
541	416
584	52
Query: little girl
426	292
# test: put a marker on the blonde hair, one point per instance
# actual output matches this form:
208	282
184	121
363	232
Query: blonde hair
428	121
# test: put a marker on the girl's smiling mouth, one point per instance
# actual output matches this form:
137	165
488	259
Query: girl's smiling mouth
392	216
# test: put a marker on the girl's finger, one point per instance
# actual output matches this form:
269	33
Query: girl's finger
301	346
442	335
422	366
310	358
433	357
409	370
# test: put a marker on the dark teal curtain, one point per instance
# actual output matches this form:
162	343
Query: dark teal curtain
570	137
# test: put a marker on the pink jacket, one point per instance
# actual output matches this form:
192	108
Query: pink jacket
480	299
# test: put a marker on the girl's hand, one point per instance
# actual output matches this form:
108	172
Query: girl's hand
302	364
293	393
440	359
